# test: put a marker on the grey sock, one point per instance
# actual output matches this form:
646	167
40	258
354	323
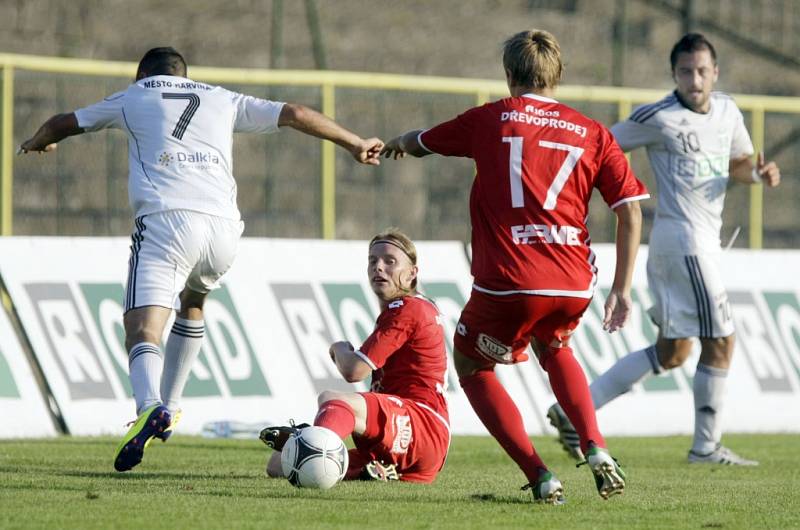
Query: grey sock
625	373
709	393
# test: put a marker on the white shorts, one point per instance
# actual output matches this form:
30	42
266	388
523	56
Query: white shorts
689	298
176	249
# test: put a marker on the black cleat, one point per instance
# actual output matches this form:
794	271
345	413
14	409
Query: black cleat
275	436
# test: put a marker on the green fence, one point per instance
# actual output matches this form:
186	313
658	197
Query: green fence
293	187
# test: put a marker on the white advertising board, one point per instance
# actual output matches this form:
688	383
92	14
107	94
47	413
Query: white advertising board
764	379
23	413
69	292
284	301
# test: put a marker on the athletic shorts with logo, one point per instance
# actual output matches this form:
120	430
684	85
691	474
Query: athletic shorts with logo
499	328
689	299
174	249
402	432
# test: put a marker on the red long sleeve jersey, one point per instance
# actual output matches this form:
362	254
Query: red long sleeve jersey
537	162
406	352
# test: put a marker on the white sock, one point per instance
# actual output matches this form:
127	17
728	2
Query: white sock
709	393
145	363
183	346
625	373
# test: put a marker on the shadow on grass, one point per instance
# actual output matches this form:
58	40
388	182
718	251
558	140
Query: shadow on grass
225	445
177	442
298	495
180	441
275	490
114	475
491	497
161	475
384	493
42	487
61	442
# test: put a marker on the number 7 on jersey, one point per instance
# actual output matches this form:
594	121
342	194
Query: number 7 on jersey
515	170
188	112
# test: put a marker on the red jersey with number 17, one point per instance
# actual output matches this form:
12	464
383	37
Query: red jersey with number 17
537	163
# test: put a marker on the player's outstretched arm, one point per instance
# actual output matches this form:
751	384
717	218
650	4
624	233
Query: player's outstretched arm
350	365
629	231
311	122
51	132
743	170
405	143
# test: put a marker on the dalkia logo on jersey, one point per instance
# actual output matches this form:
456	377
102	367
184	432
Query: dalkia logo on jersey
165	159
183	158
197	158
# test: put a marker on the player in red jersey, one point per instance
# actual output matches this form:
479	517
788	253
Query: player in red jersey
401	427
537	163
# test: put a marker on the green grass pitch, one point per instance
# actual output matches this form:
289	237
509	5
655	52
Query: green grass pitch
195	483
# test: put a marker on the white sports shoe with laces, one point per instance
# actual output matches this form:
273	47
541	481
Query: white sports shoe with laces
721	455
547	490
608	475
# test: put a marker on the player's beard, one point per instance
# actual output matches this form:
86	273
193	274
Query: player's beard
695	100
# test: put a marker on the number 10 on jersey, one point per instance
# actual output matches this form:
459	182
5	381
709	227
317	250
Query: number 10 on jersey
560	179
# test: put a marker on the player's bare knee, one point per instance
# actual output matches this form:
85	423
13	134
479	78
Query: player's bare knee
673	361
140	331
142	336
145	324
718	351
724	345
673	353
727	344
191	304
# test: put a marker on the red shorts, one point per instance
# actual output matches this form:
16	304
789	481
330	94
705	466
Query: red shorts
499	328
404	433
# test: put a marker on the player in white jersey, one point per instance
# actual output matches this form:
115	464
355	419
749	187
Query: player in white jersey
696	141
187	225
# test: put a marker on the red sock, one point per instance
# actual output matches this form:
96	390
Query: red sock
500	415
572	392
338	416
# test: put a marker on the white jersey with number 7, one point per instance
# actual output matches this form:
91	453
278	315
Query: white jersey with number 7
180	136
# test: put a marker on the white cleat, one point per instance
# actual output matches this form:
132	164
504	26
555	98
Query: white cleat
721	455
608	475
547	490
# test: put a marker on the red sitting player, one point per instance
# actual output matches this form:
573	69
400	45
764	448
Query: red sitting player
537	162
400	428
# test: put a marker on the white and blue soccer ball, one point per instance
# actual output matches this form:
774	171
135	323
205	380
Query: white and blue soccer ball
315	457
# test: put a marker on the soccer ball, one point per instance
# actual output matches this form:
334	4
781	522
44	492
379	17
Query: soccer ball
315	457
